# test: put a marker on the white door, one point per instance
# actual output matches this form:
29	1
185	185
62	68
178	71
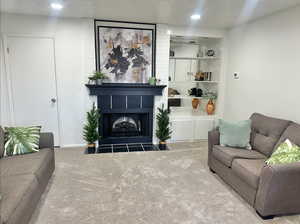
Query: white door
33	83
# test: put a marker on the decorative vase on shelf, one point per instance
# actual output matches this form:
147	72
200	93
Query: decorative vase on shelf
195	103
210	107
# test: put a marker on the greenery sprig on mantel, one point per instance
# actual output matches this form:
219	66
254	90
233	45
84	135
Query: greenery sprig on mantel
98	75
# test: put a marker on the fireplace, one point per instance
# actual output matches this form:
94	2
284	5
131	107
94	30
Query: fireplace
126	112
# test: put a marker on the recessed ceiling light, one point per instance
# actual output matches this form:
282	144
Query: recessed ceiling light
56	6
195	17
169	32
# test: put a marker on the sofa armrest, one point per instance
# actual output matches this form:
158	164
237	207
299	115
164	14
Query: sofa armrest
46	140
279	190
213	139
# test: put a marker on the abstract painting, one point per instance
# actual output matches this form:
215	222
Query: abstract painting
125	54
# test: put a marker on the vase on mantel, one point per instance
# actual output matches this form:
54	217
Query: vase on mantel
210	107
195	103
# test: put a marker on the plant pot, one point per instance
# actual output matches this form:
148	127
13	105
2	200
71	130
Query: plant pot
162	145
152	81
91	148
99	81
210	107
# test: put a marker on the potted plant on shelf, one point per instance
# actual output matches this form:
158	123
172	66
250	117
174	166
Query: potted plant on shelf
90	129
163	132
98	77
210	106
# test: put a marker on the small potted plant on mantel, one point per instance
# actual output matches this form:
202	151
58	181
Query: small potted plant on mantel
163	132
90	129
98	77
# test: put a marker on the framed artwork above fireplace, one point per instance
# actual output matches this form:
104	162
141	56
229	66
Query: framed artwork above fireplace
125	51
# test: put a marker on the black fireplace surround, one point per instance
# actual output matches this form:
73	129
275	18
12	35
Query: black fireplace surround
126	112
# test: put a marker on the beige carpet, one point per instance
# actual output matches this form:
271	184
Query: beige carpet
141	188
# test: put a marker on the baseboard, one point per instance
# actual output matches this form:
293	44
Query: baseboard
73	146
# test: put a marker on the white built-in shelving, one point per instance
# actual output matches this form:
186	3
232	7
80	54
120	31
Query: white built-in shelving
189	124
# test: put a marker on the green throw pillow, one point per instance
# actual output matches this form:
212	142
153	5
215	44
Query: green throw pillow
235	134
286	152
21	140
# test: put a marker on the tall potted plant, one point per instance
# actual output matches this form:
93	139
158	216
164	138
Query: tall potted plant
163	132
90	129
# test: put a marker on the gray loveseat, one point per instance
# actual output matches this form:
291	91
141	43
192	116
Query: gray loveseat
23	180
271	190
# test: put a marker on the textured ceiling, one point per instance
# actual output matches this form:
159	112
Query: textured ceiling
215	13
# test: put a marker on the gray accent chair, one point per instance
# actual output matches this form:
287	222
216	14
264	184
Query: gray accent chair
23	180
271	190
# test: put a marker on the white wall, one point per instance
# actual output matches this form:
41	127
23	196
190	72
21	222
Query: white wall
266	54
162	69
4	106
75	60
74	52
3	99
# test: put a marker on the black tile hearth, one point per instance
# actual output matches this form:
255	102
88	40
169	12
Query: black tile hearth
136	147
115	148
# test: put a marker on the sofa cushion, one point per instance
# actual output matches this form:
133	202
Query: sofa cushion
286	152
34	163
227	154
266	132
22	140
20	193
292	132
1	142
235	134
248	170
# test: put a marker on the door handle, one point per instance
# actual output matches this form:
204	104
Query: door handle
53	100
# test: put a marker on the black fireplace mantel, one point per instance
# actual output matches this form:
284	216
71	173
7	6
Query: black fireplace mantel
125	89
134	101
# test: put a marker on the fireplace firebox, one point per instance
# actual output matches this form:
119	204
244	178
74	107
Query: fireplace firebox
126	112
126	125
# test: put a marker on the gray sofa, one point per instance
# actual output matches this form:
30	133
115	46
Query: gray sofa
23	180
271	190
